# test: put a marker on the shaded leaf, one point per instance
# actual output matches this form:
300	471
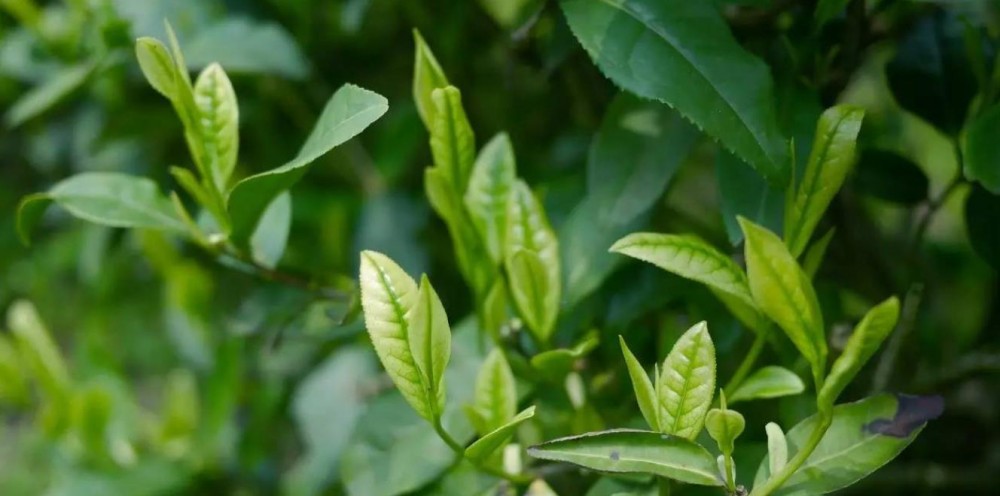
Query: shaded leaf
271	236
981	155
828	9
688	383
813	258
555	364
768	382
695	56
891	177
633	451
430	339
534	295
743	192
981	212
49	94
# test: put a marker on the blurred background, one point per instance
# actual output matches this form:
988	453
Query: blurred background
191	377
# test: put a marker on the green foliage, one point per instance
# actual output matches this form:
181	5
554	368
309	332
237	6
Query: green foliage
768	382
688	383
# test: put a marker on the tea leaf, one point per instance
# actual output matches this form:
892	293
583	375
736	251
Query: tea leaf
981	155
831	159
634	451
427	77
50	93
453	144
534	273
157	65
724	426
813	257
495	399
534	295
491	442
695	56
688	383
784	293
863	343
556	364
645	394
218	122
348	112
768	382
430	339
777	447
388	295
268	242
493	176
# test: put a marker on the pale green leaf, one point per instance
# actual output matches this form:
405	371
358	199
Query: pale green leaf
492	441
695	57
813	257
218	123
271	236
645	394
534	291
784	293
427	77
388	295
38	351
106	198
556	364
777	447
453	144
262	48
494	309
473	259
768	382
724	426
157	65
493	176
528	227
430	339
689	257
633	451
348	112
863	343
495	399
50	93
688	383
832	157
863	437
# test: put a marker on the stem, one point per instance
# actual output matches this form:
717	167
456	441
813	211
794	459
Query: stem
776	480
730	482
935	204
748	362
286	278
460	452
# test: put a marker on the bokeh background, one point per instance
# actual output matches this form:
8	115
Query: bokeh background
199	378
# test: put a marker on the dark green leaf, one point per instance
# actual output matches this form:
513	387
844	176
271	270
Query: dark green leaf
694	56
981	213
743	192
980	152
632	451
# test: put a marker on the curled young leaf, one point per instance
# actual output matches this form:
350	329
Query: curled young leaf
785	294
645	394
496	439
218	123
688	383
388	295
863	343
830	161
634	451
493	176
768	382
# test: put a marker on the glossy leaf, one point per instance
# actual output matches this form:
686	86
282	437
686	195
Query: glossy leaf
687	383
645	394
868	335
493	176
980	151
891	177
784	293
768	382
830	161
495	400
777	447
688	257
157	65
348	112
106	198
491	442
427	77
695	56
388	295
863	436
633	451
453	144
430	338
982	209
218	123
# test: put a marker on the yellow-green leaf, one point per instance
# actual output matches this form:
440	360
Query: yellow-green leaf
218	123
453	144
493	176
495	399
430	339
768	382
645	394
427	77
687	383
494	440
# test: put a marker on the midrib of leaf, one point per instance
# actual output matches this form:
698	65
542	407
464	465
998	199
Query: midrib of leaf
456	167
679	467
677	47
814	178
537	297
135	209
428	341
799	315
685	390
714	265
406	358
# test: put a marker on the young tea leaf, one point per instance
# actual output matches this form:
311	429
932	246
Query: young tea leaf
492	441
430	338
634	451
493	176
218	123
724	426
157	66
106	198
784	293
645	394
829	163
688	383
768	382
388	295
495	398
556	364
534	291
528	233
427	77
863	436
695	56
269	240
453	144
349	111
863	343
777	447
38	351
